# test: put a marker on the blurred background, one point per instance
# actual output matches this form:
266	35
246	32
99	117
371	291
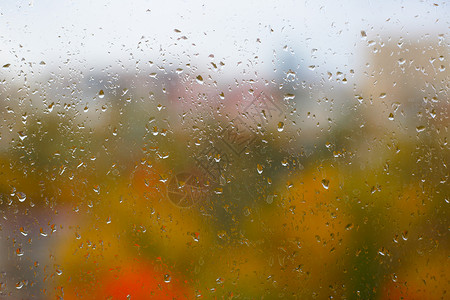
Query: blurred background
233	150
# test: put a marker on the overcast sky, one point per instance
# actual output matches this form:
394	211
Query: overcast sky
95	33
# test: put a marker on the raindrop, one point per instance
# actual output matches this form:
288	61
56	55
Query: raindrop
280	126
167	278
259	168
19	252
433	113
41	232
101	94
363	34
199	79
96	189
23	232
22	135
325	183
405	235
58	271
21	196
289	96
420	128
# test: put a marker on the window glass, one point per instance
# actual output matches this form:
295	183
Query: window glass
224	150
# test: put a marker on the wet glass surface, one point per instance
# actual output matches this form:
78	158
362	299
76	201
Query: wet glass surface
242	150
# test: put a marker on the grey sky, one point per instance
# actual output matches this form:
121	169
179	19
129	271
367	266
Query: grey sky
100	33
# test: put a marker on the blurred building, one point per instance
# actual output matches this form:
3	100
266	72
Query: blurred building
406	85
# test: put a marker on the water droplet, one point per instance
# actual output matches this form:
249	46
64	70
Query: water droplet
405	235
19	252
22	135
289	96
101	94
196	236
312	67
363	34
51	106
6	66
21	196
23	232
420	128
280	126
199	79
433	113
167	278
58	271
41	231
391	117
259	168
325	183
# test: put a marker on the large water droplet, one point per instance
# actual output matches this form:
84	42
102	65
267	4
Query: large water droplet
259	168
420	128
167	278
21	196
325	183
22	135
289	96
